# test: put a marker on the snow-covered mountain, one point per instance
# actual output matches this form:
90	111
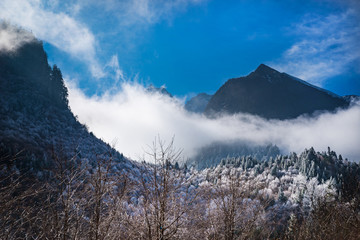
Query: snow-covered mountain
36	123
272	95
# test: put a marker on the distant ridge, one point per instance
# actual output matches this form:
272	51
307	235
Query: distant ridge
198	103
161	90
272	95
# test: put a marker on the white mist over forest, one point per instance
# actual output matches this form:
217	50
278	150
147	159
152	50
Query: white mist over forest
132	118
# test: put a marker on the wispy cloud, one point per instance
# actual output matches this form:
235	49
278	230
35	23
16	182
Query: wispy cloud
134	12
60	24
114	66
132	19
133	117
325	47
57	28
11	38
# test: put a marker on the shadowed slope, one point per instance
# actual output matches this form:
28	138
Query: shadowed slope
273	95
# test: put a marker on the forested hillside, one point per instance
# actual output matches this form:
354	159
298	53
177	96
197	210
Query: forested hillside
35	120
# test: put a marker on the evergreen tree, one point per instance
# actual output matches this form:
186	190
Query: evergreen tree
274	170
176	166
281	197
58	91
312	171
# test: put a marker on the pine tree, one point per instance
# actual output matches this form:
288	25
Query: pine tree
176	166
274	170
312	171
58	91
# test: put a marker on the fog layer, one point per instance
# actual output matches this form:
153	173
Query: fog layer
133	117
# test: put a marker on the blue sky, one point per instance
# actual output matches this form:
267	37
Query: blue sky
106	48
194	46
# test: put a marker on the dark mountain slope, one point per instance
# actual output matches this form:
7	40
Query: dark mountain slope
273	95
35	119
198	103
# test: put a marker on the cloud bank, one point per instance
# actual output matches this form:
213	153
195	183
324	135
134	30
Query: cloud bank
133	117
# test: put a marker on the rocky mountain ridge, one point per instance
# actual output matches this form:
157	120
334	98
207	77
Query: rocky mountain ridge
272	95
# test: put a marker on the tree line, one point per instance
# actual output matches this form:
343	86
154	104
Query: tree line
160	200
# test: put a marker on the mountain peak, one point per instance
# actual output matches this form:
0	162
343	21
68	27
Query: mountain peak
161	90
264	69
273	95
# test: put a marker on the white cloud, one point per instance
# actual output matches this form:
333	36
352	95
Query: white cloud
58	23
11	38
59	29
326	47
134	118
132	12
113	64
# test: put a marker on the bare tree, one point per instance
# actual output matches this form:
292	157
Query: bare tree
76	201
107	189
233	212
17	194
165	195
